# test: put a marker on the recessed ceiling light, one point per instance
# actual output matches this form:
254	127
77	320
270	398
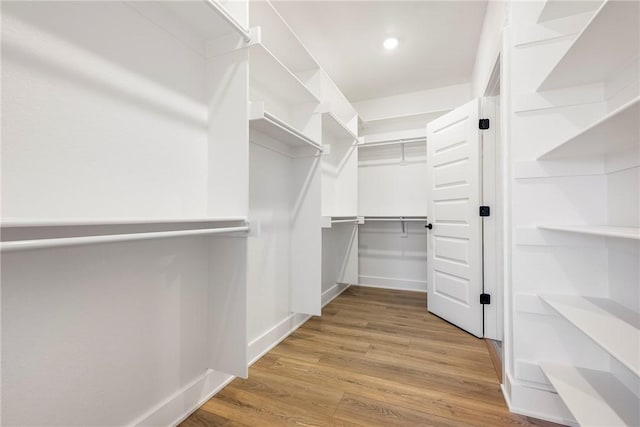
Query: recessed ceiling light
390	43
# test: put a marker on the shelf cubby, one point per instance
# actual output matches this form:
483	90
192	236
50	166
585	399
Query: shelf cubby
595	398
609	41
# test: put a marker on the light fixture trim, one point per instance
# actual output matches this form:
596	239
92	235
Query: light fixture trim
390	43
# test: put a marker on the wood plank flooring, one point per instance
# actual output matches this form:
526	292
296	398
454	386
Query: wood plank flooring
374	358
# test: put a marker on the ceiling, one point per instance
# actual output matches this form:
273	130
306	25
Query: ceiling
438	41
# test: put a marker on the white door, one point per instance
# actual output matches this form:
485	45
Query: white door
454	176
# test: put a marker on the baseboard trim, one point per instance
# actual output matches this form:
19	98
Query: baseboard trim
186	401
536	403
391	283
333	292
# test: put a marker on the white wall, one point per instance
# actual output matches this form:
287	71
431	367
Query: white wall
392	259
489	45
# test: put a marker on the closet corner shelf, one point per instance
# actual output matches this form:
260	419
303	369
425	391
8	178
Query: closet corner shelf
278	35
331	124
595	398
267	72
556	9
612	326
608	42
597	230
270	125
614	133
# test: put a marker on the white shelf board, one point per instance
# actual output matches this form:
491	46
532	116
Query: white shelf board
595	398
271	75
270	125
192	22
616	132
613	327
280	38
70	222
332	125
609	41
555	9
597	230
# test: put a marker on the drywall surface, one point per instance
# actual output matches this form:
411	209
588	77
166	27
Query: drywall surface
495	19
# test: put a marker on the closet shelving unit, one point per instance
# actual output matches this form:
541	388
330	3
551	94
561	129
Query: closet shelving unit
556	9
599	50
131	214
606	47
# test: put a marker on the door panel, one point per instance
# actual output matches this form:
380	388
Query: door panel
454	195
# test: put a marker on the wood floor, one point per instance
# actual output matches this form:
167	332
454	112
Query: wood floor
374	358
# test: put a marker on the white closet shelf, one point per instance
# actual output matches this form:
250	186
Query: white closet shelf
419	139
270	125
425	116
613	327
111	221
205	19
332	125
555	9
616	132
328	221
597	230
280	38
595	398
598	50
271	75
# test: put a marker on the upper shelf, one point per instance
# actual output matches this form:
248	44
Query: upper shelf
263	121
613	327
555	9
595	398
332	125
608	42
271	75
597	230
614	133
192	22
280	38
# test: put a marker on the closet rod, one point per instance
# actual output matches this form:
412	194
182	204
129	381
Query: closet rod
119	221
394	142
337	221
285	127
19	245
395	219
224	14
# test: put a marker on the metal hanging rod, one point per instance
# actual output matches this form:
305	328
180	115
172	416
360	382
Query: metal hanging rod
287	128
244	33
338	221
19	245
396	218
394	142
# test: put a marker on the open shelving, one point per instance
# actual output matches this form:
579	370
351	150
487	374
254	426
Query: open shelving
270	125
331	125
595	139
193	22
595	398
556	9
267	71
597	230
598	51
613	327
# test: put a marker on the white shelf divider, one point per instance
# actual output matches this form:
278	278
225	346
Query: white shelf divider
264	122
597	230
598	50
612	326
597	139
332	125
595	398
267	72
556	9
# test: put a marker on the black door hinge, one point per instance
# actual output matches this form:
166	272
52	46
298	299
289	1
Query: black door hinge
485	299
483	124
485	211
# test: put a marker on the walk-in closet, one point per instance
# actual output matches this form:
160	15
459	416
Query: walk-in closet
320	212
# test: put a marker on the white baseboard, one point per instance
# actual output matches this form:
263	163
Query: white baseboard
331	293
393	283
184	402
536	403
265	342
